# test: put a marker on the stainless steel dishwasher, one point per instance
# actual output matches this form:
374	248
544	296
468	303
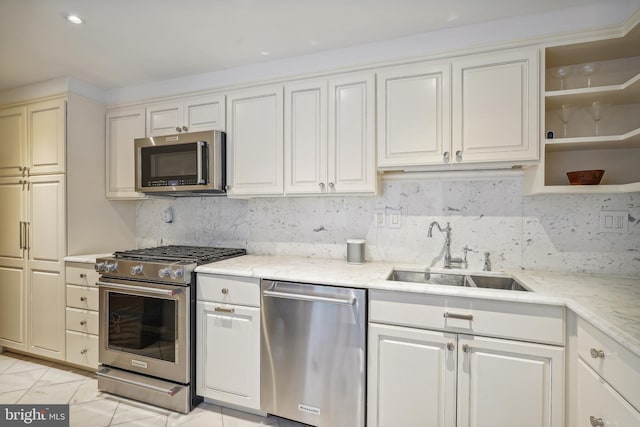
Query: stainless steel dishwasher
313	353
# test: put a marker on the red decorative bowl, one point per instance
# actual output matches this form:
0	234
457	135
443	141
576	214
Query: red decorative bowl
588	177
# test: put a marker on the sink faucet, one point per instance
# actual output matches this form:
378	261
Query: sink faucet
448	259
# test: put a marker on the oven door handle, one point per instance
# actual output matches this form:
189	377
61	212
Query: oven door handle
199	147
170	391
118	286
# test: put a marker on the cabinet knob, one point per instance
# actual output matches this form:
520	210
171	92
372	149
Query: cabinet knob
225	290
321	186
83	322
596	422
83	276
227	187
466	348
83	351
597	354
446	156
184	128
459	154
178	129
331	185
83	299
450	346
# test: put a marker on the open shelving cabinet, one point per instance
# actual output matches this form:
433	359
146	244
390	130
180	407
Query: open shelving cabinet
578	75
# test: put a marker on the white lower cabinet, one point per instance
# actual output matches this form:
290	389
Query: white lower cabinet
82	329
228	340
421	377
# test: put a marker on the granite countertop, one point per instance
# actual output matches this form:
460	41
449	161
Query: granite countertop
611	303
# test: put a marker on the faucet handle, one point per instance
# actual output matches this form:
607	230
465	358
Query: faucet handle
465	249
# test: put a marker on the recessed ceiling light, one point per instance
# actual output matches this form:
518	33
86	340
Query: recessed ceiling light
265	53
74	19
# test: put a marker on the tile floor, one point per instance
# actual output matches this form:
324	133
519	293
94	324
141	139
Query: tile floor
28	380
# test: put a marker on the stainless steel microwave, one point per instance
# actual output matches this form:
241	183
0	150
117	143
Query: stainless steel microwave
183	163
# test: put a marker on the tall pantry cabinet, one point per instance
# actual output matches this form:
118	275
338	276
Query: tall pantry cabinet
50	170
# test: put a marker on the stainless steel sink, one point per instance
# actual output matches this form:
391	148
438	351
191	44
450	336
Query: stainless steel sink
457	279
497	282
427	277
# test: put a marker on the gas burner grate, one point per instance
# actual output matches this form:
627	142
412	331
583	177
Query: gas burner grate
198	254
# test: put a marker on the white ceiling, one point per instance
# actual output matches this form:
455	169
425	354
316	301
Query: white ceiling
130	42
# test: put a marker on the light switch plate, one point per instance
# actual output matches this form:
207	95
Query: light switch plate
395	218
379	218
614	222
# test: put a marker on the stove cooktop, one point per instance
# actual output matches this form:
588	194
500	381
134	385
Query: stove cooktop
197	254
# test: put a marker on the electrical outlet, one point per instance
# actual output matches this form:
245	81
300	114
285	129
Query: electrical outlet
379	218
614	222
395	218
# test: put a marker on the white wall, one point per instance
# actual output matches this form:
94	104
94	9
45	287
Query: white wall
552	232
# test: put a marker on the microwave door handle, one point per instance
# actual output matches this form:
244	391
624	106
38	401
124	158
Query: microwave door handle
199	147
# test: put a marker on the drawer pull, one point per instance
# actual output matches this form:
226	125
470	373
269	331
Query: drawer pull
597	354
83	299
458	316
596	422
450	346
83	351
224	309
225	290
83	276
83	322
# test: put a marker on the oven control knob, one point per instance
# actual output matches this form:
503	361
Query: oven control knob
100	267
164	272
177	273
137	270
110	268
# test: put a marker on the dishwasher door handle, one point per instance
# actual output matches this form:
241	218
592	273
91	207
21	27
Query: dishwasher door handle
303	297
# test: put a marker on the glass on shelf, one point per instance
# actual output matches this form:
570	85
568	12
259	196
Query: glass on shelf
565	113
588	70
561	73
596	110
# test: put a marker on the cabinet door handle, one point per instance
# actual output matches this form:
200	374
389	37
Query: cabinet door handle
83	351
596	422
458	316
466	348
597	354
26	235
21	234
224	309
450	346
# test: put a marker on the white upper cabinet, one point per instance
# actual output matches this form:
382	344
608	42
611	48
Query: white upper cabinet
495	107
305	137
191	114
351	148
46	136
123	126
414	115
32	138
255	142
13	137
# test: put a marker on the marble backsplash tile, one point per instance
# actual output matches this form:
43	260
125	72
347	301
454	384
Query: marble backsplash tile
558	233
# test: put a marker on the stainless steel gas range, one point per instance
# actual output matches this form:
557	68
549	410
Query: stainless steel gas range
147	323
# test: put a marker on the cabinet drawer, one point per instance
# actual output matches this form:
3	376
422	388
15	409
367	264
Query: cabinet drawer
82	349
501	319
82	320
229	289
77	274
82	297
597	399
610	360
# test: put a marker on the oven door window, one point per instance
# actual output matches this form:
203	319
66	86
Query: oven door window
171	165
143	325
